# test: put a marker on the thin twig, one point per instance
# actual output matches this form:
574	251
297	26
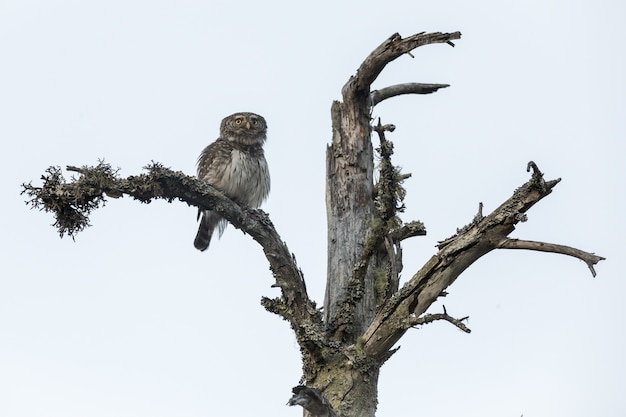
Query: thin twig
429	318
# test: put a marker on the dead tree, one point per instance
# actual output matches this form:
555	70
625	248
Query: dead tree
365	311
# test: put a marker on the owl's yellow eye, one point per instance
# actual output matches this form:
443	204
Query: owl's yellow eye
255	122
238	122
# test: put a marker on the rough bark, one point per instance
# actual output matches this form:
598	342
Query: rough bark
350	189
365	313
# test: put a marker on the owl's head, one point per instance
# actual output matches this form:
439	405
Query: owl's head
245	128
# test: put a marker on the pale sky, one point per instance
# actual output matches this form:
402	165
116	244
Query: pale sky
131	320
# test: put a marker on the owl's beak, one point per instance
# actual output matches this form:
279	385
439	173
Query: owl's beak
247	125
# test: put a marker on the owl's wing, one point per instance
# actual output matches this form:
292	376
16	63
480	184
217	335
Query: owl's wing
213	160
204	160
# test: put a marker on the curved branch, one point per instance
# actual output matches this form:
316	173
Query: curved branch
394	47
72	202
589	258
408	88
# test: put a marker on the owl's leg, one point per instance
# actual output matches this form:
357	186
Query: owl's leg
209	221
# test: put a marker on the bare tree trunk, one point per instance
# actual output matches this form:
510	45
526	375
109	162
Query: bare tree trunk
350	211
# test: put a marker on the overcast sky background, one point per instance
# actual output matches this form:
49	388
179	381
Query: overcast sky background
131	320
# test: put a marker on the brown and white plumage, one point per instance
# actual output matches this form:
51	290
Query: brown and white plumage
234	164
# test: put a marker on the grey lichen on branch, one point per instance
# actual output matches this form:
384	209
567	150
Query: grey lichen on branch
71	202
389	192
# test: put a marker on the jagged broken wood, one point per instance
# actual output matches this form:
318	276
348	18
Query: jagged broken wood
312	400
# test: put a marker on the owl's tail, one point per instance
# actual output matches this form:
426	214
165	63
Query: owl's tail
210	220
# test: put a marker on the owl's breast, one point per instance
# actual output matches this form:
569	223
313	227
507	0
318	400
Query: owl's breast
245	178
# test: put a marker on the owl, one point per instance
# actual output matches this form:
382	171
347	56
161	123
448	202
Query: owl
234	164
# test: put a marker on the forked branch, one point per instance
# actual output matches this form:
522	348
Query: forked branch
455	255
429	318
395	46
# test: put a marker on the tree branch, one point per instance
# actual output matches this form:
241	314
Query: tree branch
377	96
454	256
72	202
411	229
395	46
589	258
429	318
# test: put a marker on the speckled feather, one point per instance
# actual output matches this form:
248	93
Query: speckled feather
234	164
